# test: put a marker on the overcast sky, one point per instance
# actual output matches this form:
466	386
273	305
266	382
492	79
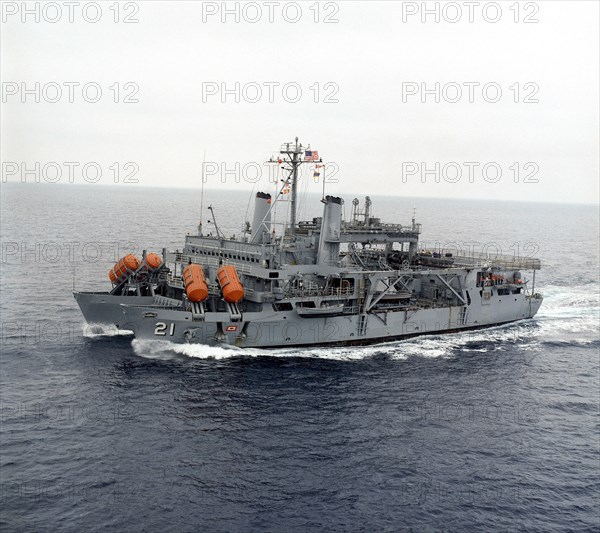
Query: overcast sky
362	69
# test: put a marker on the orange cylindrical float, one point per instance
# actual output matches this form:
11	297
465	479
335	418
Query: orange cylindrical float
153	261
233	290
194	281
125	266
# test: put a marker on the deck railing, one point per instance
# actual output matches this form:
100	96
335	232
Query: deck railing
211	261
479	259
313	289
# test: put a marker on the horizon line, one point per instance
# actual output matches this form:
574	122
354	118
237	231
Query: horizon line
354	193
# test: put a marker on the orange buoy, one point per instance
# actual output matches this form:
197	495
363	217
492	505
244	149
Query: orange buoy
125	266
194	281
233	290
153	261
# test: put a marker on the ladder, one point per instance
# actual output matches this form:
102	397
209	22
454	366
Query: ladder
362	324
361	298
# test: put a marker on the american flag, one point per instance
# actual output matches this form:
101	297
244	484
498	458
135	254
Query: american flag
311	155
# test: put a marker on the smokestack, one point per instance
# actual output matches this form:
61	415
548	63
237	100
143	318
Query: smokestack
331	226
261	223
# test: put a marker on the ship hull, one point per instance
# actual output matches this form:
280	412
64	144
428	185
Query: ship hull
264	330
104	309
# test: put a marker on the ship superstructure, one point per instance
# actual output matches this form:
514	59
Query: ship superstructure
321	282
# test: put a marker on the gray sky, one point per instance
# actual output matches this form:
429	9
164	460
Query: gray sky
379	136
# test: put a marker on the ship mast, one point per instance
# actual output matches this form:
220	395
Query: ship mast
293	151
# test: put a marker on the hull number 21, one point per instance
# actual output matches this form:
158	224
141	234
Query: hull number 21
161	329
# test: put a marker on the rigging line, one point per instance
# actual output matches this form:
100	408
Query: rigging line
248	204
305	191
300	194
286	212
202	186
202	193
310	170
275	185
274	203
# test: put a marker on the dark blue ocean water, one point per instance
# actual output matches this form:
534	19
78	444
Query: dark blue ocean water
493	430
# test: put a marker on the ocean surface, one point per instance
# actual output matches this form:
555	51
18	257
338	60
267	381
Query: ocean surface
496	430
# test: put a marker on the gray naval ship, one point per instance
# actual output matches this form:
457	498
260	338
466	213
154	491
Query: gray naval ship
326	281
